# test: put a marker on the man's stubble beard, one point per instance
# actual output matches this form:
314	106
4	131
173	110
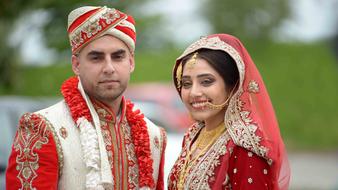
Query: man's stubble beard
105	95
109	95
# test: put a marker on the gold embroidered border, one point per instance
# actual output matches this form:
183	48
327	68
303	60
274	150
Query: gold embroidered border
163	140
133	171
32	134
204	169
57	143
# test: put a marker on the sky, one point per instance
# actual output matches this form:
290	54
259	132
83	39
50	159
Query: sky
312	20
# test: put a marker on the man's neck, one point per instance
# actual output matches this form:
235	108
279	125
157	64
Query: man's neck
115	106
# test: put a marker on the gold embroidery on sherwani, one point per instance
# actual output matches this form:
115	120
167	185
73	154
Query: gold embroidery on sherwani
163	140
57	144
107	133
120	149
124	165
32	134
132	173
107	122
63	132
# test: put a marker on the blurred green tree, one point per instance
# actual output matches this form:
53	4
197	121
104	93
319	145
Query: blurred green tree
254	19
54	31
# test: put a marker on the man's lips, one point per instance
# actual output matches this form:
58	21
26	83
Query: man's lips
108	81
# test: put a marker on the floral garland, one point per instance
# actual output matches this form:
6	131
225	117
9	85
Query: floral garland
139	132
76	103
141	141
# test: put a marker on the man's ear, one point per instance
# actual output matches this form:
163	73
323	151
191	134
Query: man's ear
132	62
75	64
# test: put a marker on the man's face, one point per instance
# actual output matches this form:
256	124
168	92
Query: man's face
104	67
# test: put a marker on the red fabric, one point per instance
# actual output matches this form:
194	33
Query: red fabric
262	114
77	105
45	158
243	167
255	107
127	31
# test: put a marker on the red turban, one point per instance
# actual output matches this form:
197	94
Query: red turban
88	23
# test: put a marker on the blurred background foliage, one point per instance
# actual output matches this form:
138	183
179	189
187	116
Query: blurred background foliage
247	19
301	77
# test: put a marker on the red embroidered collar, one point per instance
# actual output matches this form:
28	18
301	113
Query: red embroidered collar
139	132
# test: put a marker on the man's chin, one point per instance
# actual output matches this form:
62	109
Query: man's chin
110	95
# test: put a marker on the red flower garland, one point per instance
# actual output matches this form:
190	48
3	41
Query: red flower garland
77	105
139	131
141	141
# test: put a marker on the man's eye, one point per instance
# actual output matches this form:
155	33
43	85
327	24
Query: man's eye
118	57
95	58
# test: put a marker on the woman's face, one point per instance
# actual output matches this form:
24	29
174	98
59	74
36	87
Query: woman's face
201	84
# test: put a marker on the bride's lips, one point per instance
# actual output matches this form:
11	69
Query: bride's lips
199	105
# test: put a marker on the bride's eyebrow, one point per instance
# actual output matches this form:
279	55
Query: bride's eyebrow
204	75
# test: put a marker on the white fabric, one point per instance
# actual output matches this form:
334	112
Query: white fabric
85	160
91	152
122	36
106	174
78	12
74	169
154	132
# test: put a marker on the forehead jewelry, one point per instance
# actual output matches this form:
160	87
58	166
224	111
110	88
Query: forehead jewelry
192	61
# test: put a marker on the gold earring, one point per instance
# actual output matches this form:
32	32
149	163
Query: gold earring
179	76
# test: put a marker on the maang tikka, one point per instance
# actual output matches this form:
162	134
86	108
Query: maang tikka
192	61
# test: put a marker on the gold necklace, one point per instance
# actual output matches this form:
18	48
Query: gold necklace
203	142
205	137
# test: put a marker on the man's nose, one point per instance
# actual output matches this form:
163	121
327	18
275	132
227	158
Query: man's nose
109	66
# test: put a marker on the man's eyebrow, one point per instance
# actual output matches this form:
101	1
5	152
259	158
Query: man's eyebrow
119	52
95	53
